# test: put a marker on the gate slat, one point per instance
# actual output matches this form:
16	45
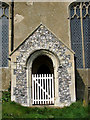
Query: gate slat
37	92
43	91
35	89
32	89
52	89
47	90
40	89
45	87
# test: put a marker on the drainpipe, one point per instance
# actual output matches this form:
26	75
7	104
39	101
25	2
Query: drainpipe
12	25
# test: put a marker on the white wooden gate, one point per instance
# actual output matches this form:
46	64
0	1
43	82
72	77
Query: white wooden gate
42	89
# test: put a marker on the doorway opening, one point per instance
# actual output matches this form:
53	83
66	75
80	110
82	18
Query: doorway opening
42	65
42	81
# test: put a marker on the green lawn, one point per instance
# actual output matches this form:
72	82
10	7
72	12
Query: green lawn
13	110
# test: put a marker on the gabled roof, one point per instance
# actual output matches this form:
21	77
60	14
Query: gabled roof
34	32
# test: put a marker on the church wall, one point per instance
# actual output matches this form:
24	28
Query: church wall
29	15
33	14
6	77
82	83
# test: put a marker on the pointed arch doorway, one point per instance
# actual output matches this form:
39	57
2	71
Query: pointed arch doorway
42	65
42	81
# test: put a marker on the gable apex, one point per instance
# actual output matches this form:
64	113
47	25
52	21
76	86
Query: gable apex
43	30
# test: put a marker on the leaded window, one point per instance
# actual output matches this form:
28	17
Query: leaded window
80	33
4	35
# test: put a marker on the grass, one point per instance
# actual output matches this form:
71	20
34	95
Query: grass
14	110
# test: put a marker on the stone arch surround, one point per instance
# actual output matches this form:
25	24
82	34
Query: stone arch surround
43	40
55	62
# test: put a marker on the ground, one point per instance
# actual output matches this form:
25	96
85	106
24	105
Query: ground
14	110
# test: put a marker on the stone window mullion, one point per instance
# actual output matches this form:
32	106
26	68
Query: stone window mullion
83	53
